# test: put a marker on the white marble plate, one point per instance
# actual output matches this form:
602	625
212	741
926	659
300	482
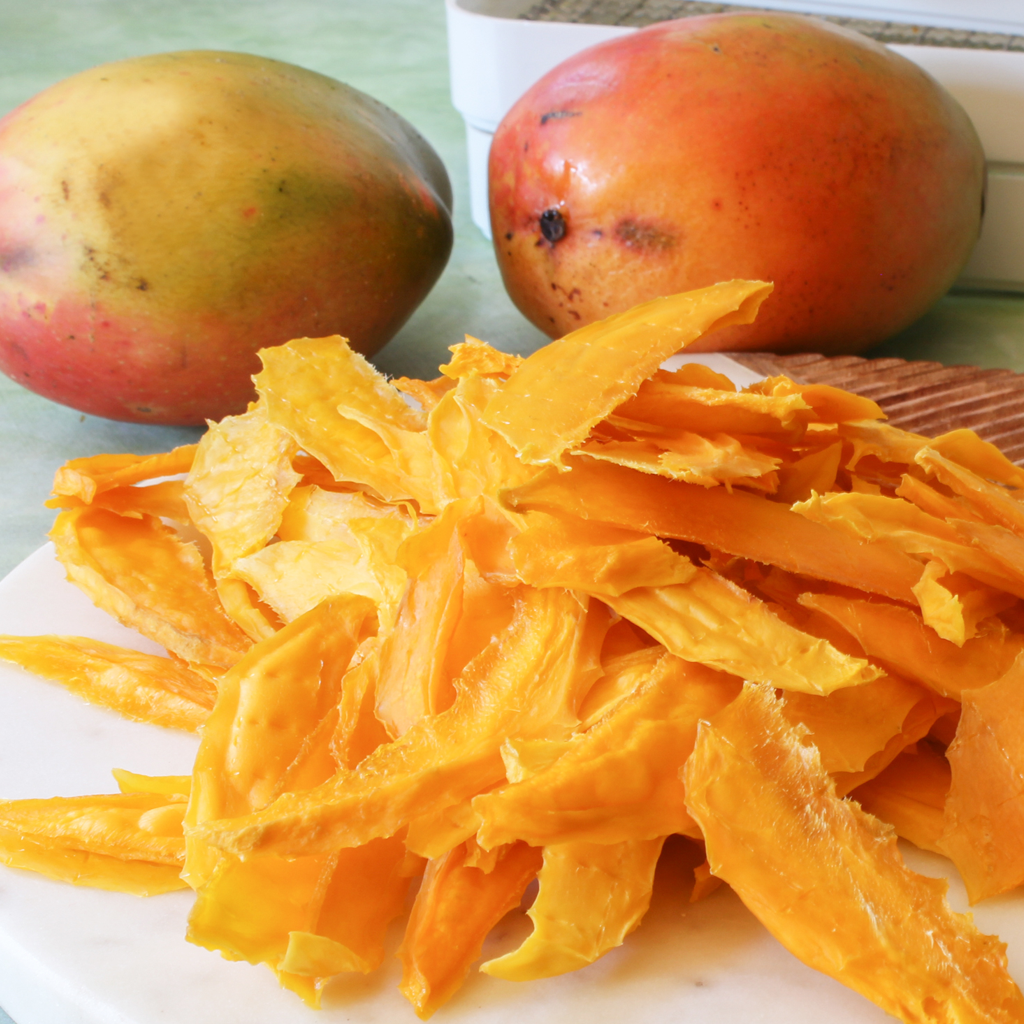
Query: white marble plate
72	955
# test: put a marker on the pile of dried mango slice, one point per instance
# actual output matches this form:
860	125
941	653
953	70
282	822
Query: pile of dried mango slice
531	618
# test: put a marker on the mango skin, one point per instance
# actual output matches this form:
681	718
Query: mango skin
162	218
760	146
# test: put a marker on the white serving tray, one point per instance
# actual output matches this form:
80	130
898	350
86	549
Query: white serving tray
494	57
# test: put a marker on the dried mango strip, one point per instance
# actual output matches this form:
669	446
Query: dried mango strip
521	684
591	897
165	500
240	603
984	814
967	449
910	795
140	572
812	473
366	892
619	780
706	461
471	458
306	383
873	439
558	393
87	477
239	484
850	726
828	881
874	517
901	641
989	502
680	402
267	707
164	785
934	502
563	551
712	621
143	687
474	357
80	867
828	404
739	524
455	908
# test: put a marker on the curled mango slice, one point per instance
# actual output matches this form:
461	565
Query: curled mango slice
828	881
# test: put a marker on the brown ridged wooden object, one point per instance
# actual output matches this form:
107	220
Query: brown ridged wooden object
926	398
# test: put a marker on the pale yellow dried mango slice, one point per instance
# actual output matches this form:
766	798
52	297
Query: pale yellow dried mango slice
558	393
740	524
522	683
456	906
619	780
910	794
983	831
143	687
898	638
139	571
828	881
346	414
591	896
474	357
239	484
87	477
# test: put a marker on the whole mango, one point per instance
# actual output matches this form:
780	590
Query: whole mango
164	217
745	145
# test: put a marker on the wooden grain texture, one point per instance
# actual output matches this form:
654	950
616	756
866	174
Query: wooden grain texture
924	397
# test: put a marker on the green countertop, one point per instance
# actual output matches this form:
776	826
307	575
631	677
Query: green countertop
396	51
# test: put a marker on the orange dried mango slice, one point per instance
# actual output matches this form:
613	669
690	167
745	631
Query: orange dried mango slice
828	404
983	830
969	450
853	728
474	357
554	398
705	619
85	478
344	413
990	502
141	573
910	794
165	500
812	473
523	682
619	780
143	687
739	524
239	484
456	906
828	881
704	460
899	639
591	896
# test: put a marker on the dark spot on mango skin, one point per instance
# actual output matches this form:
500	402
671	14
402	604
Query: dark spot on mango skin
552	225
643	236
554	115
66	190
